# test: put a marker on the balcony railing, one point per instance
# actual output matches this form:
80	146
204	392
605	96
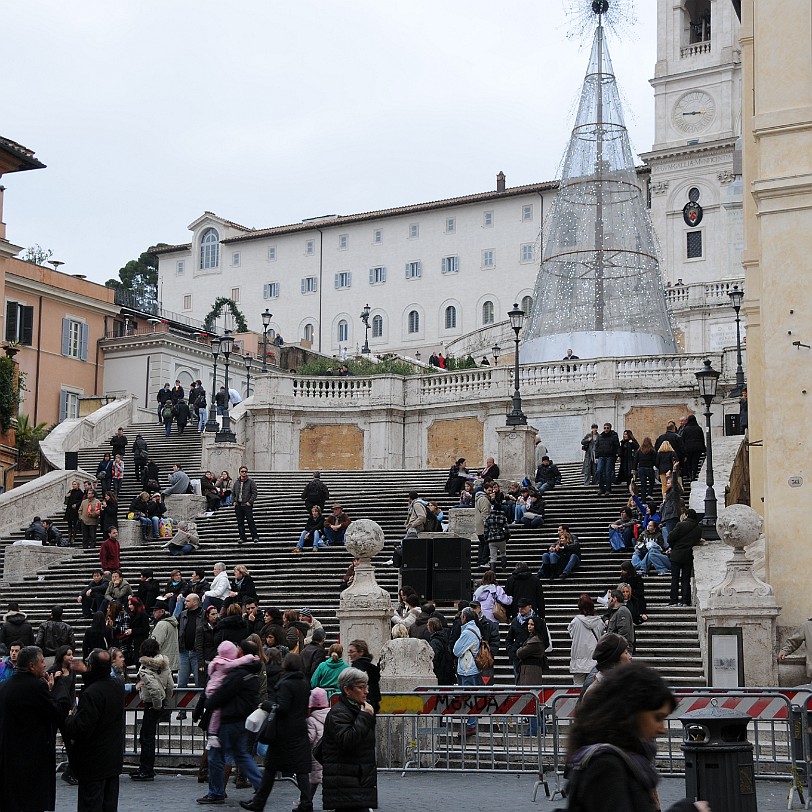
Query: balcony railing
695	49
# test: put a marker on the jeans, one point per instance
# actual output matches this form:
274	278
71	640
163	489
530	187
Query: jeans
233	746
470	679
185	550
545	486
333	536
245	513
667	526
314	543
660	561
550	562
518	513
606	473
168	428
146	740
510	511
646	478
98	796
201	420
188	668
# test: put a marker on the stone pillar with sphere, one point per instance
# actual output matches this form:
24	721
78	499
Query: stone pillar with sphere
365	609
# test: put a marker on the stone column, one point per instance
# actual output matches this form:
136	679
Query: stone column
365	608
216	457
742	600
517	452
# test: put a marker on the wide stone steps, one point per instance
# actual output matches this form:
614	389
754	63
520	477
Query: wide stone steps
668	640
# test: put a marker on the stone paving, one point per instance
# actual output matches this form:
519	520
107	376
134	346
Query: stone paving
416	792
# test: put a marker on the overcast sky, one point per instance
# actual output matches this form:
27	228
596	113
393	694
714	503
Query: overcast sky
266	112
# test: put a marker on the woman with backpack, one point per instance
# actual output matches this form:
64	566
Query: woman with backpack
490	595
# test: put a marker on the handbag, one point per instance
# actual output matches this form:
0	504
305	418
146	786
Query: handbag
254	722
267	733
499	610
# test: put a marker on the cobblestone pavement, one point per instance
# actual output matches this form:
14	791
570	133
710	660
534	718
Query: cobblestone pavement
417	792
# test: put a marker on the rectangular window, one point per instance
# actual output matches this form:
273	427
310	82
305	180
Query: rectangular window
527	212
414	270
310	284
527	252
377	237
377	276
74	339
68	405
235	295
180	268
694	245
270	290
187	301
450	225
272	253
487	258
235	258
487	219
414	231
343	242
310	248
19	323
343	280
451	264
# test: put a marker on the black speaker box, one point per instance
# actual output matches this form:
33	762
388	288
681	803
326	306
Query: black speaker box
451	585
416	553
451	553
419	580
71	460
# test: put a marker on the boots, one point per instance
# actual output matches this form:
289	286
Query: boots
303	806
240	781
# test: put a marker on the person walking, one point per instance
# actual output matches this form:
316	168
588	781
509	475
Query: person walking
585	631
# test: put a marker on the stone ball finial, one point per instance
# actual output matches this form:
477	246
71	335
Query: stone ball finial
364	538
739	525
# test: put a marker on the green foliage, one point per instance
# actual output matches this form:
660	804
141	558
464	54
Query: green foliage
9	392
219	303
37	255
139	277
360	366
453	364
28	438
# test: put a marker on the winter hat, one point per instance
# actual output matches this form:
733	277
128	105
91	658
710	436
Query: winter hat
318	699
228	650
608	650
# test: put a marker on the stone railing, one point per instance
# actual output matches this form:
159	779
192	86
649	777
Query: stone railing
704	294
332	387
536	377
458	385
81	432
694	50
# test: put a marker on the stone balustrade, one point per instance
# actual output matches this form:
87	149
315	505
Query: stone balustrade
703	294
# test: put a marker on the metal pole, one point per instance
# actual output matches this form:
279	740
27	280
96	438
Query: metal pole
709	520
211	423
739	368
248	384
226	435
264	348
516	417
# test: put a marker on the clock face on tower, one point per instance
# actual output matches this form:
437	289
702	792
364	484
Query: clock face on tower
694	112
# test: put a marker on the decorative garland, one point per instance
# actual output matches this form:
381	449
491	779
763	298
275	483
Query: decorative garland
219	303
10	382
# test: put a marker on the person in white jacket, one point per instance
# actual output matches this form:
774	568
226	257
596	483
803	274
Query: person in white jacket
585	630
220	587
488	592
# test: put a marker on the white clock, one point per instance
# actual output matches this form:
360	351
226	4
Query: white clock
694	112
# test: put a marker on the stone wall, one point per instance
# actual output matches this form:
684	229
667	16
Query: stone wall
650	421
331	447
450	439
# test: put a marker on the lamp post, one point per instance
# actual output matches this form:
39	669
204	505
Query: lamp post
226	435
365	318
497	351
248	374
516	416
417	355
266	323
708	379
736	297
211	423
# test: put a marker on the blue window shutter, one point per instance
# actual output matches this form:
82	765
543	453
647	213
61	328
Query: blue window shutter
63	405
65	336
83	350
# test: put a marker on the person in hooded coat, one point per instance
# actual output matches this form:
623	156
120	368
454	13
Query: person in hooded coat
524	584
290	751
32	705
16	627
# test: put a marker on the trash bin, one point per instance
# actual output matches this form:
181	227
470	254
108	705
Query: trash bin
719	759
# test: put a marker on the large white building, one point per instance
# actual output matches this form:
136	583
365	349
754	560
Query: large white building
435	272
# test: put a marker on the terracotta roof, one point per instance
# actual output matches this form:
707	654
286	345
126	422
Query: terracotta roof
15	157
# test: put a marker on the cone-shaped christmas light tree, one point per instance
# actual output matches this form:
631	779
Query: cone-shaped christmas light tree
599	288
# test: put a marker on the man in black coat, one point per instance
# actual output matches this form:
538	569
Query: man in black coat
16	627
236	698
670	434
523	584
92	596
97	733
164	395
32	705
517	634
607	448
682	540
315	493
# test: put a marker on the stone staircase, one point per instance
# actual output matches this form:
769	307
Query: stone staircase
668	640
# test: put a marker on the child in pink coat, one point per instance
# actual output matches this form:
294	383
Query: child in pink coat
219	667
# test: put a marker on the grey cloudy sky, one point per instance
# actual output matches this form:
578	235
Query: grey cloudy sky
269	111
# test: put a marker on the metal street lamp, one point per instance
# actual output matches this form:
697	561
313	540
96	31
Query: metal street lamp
226	435
417	355
211	423
516	416
736	296
266	323
497	351
248	374
708	380
365	318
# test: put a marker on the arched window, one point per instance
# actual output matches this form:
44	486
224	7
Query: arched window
527	305
487	312
343	331
450	317
699	20
309	331
377	326
414	321
209	249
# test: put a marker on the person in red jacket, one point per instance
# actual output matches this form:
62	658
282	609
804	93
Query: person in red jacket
110	551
